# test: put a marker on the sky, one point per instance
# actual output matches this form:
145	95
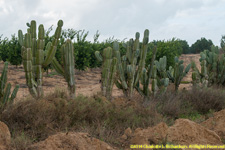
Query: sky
184	19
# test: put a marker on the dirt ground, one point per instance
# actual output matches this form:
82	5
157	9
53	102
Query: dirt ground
87	82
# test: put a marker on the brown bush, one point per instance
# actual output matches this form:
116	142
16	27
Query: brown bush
37	119
204	100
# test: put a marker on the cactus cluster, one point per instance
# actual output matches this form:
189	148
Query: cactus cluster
67	70
5	89
176	73
162	79
109	69
34	57
131	73
129	69
212	68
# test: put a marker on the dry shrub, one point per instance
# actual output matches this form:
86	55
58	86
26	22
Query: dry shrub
204	100
38	119
187	103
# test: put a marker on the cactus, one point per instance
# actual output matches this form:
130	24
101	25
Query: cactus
129	69
146	77
108	71
154	80
5	90
162	79
34	60
177	73
67	70
212	68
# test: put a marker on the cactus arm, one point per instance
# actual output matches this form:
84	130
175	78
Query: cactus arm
20	39
143	54
57	67
3	79
7	93
33	46
119	64
165	85
39	60
27	64
51	53
98	56
154	80
14	93
112	77
150	69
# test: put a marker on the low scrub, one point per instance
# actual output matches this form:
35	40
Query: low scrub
190	104
35	120
32	120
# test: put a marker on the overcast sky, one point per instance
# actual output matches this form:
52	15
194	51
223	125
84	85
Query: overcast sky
184	19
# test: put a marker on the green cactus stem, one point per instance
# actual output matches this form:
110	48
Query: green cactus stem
67	70
109	68
5	89
146	76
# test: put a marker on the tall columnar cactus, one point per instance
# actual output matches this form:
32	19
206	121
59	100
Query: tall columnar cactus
34	60
5	90
178	72
108	71
67	70
129	69
147	76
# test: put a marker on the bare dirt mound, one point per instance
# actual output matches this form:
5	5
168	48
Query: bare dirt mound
5	136
71	141
216	123
183	132
187	132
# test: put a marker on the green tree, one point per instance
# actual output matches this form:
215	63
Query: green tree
82	51
4	49
15	57
185	46
170	49
201	45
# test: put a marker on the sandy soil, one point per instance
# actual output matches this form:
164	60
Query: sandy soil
87	82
